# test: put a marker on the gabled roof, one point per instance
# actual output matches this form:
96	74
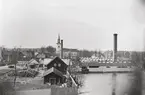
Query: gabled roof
40	55
33	61
72	50
107	64
49	60
25	53
52	70
22	62
67	61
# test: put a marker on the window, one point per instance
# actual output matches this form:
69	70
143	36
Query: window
59	65
55	64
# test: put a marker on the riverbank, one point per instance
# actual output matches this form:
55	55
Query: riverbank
109	70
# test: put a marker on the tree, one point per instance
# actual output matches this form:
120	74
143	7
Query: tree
85	53
43	49
3	54
14	61
137	59
100	54
77	61
50	49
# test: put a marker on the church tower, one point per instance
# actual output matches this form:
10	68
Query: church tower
58	48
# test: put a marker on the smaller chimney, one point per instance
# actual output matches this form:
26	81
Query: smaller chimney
61	53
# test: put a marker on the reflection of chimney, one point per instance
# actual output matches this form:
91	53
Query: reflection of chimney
115	48
114	84
61	53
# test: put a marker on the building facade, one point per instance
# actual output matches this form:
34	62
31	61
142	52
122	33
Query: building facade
53	76
56	71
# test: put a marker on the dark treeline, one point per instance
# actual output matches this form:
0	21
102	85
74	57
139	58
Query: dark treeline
87	53
49	49
22	54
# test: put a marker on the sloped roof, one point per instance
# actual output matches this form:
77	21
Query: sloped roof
40	55
67	61
33	61
22	62
72	50
25	53
53	70
107	64
49	60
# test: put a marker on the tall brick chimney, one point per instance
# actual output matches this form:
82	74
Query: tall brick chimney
61	53
115	48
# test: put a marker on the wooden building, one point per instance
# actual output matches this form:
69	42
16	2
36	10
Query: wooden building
55	72
58	64
54	76
32	64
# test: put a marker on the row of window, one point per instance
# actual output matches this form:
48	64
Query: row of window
55	65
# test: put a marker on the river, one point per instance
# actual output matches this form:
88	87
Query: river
105	84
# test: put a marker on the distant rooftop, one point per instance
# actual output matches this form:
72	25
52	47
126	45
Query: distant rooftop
69	49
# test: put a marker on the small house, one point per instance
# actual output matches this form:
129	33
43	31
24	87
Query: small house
32	63
58	64
7	55
22	63
53	76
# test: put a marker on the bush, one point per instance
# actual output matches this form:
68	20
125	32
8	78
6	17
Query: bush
24	73
2	64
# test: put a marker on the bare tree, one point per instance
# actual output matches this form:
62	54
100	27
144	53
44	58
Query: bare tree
14	61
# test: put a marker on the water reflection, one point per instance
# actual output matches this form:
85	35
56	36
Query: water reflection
106	84
114	84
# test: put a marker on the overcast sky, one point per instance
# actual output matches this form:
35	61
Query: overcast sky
82	24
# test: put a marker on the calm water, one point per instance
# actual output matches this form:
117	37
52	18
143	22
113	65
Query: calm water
103	84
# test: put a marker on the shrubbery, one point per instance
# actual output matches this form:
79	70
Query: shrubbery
24	73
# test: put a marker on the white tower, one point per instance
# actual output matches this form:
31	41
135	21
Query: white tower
58	48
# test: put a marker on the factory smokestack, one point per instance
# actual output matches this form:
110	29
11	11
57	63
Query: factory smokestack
61	53
115	48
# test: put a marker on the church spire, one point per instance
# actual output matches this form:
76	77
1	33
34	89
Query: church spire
58	40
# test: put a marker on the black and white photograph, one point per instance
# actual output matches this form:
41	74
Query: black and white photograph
72	47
